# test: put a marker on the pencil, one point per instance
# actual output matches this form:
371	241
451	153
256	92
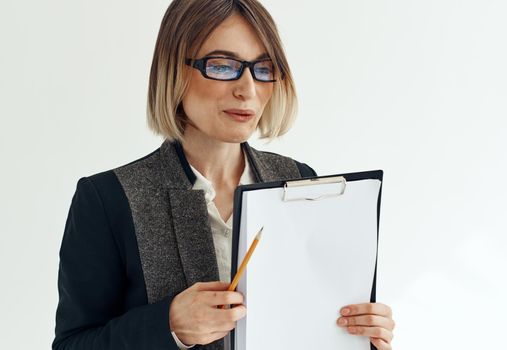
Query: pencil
242	267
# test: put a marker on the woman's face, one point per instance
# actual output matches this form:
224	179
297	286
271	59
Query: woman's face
206	100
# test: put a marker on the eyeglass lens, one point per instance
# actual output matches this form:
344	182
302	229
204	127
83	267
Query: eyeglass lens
226	68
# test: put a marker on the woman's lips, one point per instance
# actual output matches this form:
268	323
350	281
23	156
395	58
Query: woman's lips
242	116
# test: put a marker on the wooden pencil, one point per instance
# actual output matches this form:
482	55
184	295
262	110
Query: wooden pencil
242	267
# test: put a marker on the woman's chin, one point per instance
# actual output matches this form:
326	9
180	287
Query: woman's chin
229	134
236	137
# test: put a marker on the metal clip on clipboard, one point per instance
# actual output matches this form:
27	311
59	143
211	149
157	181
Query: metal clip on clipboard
295	190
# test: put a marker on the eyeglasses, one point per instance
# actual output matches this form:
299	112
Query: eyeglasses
225	68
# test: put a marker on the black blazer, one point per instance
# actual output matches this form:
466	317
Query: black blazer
134	238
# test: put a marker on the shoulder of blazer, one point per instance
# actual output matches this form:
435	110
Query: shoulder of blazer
274	158
110	190
109	184
108	179
304	169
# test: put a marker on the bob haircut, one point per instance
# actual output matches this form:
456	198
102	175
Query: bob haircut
184	28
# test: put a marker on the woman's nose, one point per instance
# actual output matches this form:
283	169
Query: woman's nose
245	85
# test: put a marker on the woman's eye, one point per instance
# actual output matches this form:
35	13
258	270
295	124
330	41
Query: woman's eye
263	70
221	68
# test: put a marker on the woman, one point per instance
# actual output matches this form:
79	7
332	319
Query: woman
145	257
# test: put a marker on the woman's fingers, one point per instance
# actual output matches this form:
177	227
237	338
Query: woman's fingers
215	298
367	320
207	286
380	344
193	315
220	335
373	320
228	316
375	332
367	309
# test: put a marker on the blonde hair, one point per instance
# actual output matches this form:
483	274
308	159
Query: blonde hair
184	28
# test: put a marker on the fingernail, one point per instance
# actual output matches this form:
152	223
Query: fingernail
342	321
352	329
345	311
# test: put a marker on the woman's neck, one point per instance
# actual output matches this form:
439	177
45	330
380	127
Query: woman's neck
220	162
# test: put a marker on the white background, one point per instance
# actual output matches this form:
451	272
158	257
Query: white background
416	88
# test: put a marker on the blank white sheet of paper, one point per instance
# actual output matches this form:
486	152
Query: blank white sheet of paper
314	257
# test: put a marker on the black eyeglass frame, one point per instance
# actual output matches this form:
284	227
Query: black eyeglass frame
200	64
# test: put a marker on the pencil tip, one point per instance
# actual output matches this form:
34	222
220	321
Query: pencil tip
259	234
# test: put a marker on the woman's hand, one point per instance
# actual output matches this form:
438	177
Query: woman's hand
373	320
195	318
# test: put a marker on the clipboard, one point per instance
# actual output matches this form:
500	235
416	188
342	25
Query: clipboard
290	284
